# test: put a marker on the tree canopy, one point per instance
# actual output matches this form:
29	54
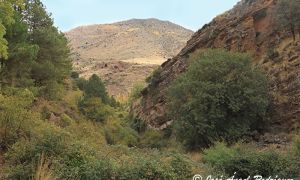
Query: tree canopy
221	96
32	51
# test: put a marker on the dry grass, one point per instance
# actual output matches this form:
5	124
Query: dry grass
43	171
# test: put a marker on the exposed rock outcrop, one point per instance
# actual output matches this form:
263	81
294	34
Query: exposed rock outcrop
248	27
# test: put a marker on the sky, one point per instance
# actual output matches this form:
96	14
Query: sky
191	14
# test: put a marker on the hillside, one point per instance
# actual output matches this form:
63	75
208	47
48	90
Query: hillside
125	53
248	27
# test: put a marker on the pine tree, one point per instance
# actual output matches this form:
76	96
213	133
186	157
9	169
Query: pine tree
96	88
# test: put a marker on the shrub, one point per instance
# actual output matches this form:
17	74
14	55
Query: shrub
221	96
137	124
152	139
16	120
22	157
121	134
135	93
272	54
95	109
153	80
52	90
244	160
153	166
81	83
74	75
79	161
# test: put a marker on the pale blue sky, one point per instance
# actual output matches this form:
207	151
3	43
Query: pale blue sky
192	14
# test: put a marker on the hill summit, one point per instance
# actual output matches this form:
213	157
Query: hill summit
125	53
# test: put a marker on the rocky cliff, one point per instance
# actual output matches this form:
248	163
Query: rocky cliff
125	53
248	27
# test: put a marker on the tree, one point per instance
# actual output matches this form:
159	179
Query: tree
287	15
53	46
6	18
22	53
96	88
95	110
220	97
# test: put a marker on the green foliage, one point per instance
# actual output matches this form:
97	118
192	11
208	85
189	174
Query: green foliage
153	80
52	90
137	124
287	15
38	52
118	133
74	75
95	109
96	88
221	96
39	117
135	93
156	166
152	139
113	102
81	83
246	160
15	117
6	19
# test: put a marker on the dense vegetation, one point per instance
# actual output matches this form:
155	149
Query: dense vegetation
220	97
55	125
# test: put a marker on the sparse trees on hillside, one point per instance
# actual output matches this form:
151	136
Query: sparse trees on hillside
287	15
220	97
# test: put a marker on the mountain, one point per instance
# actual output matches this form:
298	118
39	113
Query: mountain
125	53
248	27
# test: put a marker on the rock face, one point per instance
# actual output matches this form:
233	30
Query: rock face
125	53
248	27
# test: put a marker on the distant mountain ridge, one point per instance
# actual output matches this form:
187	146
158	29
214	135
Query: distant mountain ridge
144	43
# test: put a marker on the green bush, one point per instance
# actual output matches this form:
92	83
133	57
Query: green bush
22	157
81	162
95	109
245	160
221	96
135	93
152	139
121	134
153	166
153	79
52	90
81	83
16	120
137	124
74	75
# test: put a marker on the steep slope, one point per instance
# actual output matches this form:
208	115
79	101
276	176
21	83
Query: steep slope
248	27
125	53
